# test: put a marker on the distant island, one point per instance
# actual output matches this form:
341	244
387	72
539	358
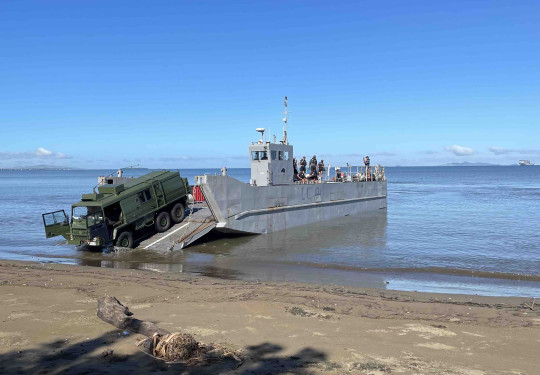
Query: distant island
48	167
42	167
467	164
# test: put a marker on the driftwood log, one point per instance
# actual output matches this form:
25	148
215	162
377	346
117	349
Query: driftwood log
175	347
110	310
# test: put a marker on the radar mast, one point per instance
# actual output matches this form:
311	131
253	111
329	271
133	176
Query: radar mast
285	141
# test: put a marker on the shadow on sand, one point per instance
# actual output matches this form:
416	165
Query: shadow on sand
97	356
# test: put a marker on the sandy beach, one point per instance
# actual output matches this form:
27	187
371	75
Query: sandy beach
49	325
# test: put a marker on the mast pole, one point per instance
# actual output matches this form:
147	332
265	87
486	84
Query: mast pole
285	141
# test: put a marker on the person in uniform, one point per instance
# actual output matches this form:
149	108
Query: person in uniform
313	167
303	164
338	175
295	169
321	167
302	176
368	169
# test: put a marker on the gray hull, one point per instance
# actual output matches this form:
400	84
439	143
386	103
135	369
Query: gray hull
240	207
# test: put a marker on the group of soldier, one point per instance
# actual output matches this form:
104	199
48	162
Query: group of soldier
316	169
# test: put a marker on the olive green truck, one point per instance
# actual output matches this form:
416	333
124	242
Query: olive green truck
119	214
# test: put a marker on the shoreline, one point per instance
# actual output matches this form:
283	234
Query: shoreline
526	277
424	280
49	319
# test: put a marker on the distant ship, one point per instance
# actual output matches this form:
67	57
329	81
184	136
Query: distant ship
525	162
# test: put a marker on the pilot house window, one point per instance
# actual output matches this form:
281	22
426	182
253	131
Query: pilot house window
273	153
259	155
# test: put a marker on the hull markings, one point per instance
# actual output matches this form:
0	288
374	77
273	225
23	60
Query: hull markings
307	205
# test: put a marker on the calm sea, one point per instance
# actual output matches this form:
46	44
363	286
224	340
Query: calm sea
471	230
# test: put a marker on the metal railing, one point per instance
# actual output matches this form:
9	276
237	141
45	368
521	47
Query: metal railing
350	173
356	173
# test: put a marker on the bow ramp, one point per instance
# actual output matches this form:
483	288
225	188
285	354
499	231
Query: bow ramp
196	225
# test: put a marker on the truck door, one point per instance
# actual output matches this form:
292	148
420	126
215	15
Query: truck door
56	224
146	205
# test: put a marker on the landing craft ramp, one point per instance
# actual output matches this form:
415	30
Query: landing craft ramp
197	224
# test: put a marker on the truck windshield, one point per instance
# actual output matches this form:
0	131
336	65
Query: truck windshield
93	215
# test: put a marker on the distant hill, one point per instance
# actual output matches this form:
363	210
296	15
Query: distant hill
467	164
44	167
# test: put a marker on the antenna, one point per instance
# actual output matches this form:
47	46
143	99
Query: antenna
261	130
284	140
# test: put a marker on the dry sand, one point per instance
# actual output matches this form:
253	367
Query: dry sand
49	325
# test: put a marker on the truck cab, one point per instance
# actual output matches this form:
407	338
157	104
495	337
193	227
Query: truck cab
88	226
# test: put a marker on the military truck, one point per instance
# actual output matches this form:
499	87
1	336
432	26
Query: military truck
118	214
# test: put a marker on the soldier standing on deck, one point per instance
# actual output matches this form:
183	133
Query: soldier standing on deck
303	164
321	167
313	166
368	168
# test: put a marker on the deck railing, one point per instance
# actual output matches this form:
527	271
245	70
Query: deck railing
363	173
350	173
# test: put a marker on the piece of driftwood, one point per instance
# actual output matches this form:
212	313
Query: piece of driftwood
110	310
162	344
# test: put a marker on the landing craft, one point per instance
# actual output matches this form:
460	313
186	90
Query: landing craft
275	198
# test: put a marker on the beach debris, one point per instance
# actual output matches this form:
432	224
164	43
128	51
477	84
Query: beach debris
370	366
106	353
110	310
298	311
161	344
531	306
183	348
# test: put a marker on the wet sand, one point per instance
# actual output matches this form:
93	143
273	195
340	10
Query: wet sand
49	325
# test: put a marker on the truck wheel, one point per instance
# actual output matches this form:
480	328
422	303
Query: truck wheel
178	213
125	239
163	222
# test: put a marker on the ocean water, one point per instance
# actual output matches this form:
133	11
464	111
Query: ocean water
472	230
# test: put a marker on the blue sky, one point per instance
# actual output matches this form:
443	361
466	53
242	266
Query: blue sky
180	84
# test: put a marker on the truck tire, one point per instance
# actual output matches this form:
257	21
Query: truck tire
178	213
163	222
125	239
